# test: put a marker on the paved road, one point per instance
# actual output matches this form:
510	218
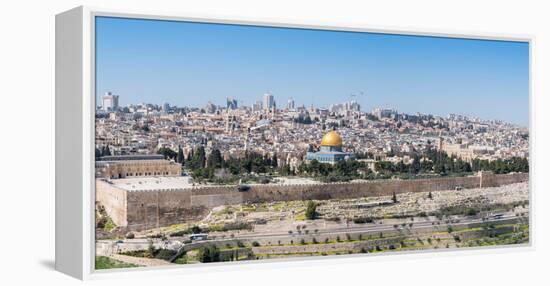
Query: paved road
368	229
365	229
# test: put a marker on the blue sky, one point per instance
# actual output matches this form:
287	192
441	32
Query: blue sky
189	64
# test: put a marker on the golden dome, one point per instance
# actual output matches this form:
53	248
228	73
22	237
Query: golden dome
332	139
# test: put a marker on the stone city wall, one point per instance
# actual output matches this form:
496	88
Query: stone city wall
488	179
210	197
114	200
264	193
150	209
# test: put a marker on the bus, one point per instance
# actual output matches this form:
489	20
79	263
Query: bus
498	216
198	236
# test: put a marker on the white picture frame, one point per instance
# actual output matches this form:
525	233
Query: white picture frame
74	125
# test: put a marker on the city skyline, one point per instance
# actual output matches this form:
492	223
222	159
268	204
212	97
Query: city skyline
189	64
223	106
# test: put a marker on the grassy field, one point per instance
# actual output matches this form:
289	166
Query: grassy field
104	262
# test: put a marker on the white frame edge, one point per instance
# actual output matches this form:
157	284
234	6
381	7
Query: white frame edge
69	93
74	210
74	147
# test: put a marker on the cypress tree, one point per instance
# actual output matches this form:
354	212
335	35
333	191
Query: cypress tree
394	198
180	158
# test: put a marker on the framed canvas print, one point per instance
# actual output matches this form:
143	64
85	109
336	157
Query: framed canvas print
185	142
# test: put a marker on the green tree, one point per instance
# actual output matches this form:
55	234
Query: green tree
167	153
416	164
198	159
401	167
440	168
274	161
313	166
180	158
209	253
311	210
215	159
151	248
285	170
106	151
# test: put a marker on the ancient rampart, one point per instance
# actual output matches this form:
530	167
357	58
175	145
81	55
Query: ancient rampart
154	208
114	200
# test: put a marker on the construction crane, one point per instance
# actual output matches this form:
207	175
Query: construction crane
360	93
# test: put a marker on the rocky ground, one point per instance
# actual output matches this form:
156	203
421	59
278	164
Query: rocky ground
284	215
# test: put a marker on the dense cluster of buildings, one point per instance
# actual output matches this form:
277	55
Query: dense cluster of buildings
295	133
